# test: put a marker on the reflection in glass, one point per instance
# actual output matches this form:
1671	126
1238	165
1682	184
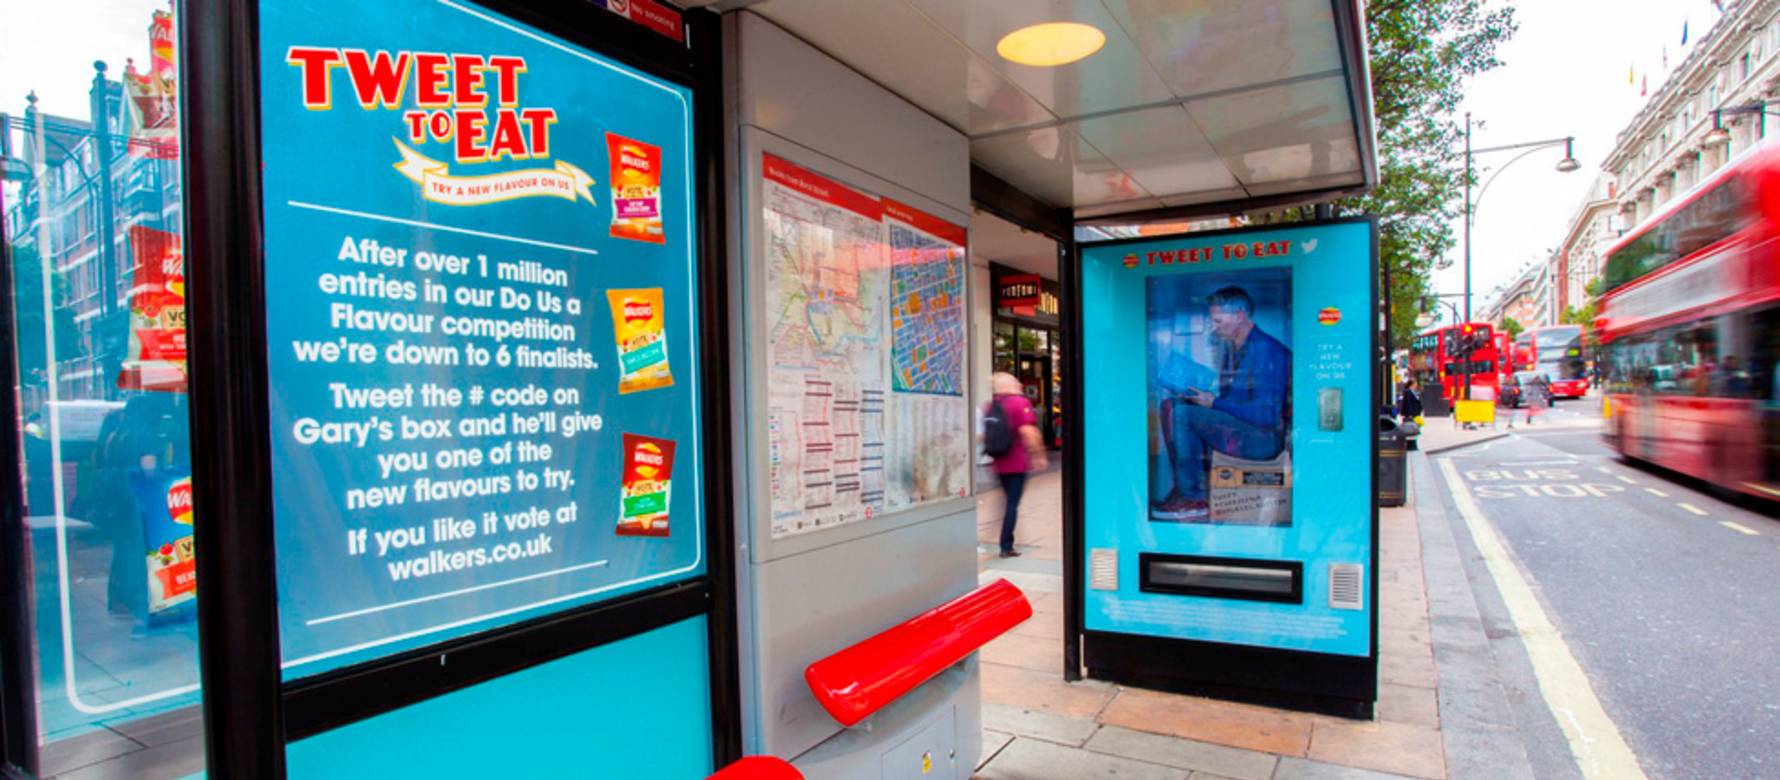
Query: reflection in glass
92	214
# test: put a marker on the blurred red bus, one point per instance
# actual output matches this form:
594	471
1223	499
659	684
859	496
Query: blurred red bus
1690	330
1438	358
1555	350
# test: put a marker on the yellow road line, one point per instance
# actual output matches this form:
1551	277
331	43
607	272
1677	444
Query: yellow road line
1694	509
1655	492
1739	528
1626	479
1595	742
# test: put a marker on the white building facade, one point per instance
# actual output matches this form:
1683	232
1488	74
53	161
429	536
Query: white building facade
1666	149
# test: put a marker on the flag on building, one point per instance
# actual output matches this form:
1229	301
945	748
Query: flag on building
1631	77
1644	90
1665	57
1684	32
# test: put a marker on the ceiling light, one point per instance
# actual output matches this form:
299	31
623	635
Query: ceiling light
1051	44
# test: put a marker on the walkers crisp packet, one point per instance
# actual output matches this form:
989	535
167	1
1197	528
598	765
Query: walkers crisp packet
164	504
641	333
636	189
156	358
648	472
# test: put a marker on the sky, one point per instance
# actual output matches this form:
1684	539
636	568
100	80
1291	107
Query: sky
1563	74
39	50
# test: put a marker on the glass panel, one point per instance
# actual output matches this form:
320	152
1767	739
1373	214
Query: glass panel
91	209
1711	217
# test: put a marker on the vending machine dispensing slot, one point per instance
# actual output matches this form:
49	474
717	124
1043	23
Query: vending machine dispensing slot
1230	578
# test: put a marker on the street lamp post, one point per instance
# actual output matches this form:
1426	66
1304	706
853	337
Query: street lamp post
1719	135
1565	165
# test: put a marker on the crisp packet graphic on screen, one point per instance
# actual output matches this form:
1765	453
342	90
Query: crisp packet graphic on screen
641	332
636	189
164	505
648	474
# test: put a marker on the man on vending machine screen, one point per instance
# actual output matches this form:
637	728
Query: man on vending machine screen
1221	387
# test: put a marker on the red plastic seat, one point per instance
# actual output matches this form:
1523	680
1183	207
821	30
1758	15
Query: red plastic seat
758	768
858	681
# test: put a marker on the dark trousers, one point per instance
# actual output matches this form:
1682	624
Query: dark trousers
1012	486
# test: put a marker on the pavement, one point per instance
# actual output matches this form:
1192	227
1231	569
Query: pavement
1444	709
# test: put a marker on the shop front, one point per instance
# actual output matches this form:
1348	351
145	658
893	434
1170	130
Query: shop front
1028	344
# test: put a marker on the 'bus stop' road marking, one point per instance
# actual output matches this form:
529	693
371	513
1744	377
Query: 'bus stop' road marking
1595	742
1691	508
1739	528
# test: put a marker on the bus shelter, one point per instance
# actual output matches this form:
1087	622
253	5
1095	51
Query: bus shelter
586	389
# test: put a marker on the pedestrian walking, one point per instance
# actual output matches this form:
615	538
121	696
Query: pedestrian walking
1409	404
1537	397
1011	437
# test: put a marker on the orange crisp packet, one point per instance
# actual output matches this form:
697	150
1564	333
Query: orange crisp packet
641	333
636	189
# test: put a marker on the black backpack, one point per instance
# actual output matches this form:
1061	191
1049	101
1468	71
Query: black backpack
998	433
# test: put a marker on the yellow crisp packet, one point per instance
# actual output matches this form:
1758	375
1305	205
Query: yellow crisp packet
641	333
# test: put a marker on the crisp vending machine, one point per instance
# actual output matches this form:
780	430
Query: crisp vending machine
1223	531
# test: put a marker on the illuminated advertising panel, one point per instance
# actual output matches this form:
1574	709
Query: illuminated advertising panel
479	260
1228	438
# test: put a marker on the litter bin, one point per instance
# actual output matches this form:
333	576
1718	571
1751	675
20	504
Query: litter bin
1393	463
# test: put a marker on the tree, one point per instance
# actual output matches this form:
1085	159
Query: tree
1421	52
1584	315
1512	327
28	333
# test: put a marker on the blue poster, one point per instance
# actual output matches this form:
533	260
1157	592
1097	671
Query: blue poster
1234	489
481	321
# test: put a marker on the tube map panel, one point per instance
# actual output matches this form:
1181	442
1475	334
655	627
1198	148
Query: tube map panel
865	353
481	326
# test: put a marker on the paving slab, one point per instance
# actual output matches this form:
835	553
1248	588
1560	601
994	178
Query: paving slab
1208	720
1400	748
1204	758
993	742
1032	759
1038	724
1027	689
1304	769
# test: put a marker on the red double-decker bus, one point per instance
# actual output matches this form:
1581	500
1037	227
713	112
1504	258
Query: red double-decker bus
1445	357
1557	352
1690	330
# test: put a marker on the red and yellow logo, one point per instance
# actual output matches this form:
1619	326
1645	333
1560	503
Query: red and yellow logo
1329	315
467	105
648	460
179	501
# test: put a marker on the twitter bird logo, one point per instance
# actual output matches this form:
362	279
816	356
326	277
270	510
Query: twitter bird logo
1309	246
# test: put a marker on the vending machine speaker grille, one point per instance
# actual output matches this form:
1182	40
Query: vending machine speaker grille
1103	569
1347	586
